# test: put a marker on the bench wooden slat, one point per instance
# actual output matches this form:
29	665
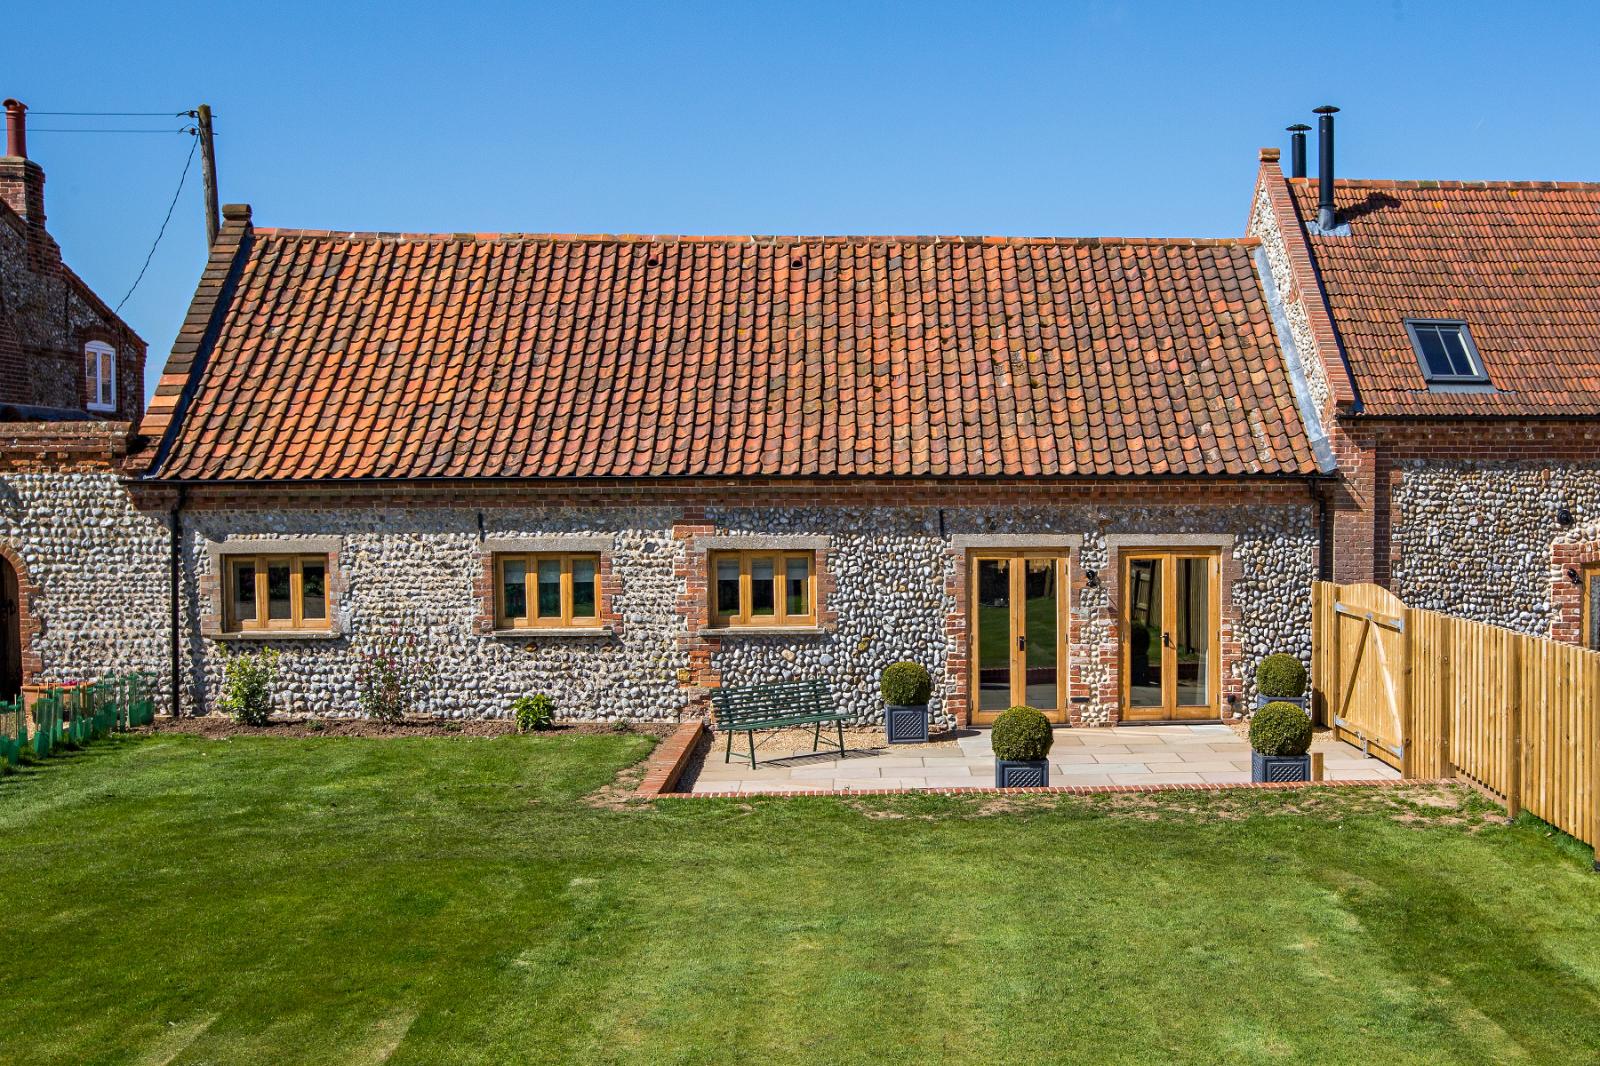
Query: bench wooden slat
773	705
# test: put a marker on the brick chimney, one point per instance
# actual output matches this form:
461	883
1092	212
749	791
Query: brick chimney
21	179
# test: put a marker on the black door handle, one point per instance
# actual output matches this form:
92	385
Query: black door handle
1022	643
1166	640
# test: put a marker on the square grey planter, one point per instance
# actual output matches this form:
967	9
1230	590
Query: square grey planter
1031	773
906	724
1298	701
1279	767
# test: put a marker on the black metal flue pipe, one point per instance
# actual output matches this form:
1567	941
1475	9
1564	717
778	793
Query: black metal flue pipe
1297	149
1325	213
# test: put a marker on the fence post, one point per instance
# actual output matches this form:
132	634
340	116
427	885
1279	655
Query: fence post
1513	734
1594	771
1447	691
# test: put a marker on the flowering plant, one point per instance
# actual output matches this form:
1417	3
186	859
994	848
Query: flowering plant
391	676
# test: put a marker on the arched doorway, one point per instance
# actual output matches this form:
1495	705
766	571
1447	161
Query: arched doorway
10	632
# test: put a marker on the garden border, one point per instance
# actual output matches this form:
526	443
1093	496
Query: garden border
1065	790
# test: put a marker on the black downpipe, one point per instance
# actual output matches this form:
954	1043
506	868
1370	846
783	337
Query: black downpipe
174	573
1324	531
1297	149
1325	213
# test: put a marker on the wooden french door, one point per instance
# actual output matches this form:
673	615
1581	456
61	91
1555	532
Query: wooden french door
1170	635
1018	606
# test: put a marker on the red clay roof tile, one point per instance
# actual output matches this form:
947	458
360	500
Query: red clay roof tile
418	356
1519	262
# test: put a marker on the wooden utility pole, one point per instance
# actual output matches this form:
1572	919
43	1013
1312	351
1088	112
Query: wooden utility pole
208	172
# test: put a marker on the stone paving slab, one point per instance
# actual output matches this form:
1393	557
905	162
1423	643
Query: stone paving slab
1127	756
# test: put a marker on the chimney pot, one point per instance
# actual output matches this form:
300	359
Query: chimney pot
1269	155
16	128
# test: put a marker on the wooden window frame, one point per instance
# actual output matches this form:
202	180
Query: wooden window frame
565	619
296	620
780	618
1589	574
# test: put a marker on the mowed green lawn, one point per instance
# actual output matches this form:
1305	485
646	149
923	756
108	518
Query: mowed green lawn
332	900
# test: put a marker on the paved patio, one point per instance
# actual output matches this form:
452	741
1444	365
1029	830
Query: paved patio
1133	755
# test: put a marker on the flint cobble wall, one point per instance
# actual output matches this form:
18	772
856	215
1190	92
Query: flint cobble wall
1474	539
93	574
888	573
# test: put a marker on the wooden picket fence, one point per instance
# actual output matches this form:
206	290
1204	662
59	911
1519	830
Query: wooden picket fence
74	715
1439	696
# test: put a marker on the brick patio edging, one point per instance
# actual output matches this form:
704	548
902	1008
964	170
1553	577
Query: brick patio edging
667	761
1060	790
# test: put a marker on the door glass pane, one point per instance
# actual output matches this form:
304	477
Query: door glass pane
994	634
244	592
1039	589
583	588
278	605
762	597
727	586
549	591
797	574
514	587
313	591
1143	638
1192	601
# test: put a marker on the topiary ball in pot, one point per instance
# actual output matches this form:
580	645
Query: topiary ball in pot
1280	729
1280	735
905	684
1281	675
1021	739
906	688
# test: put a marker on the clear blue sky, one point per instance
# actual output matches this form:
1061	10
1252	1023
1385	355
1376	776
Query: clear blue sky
1064	119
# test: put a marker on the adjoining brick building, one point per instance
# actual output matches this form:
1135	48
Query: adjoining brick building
1447	340
620	469
83	585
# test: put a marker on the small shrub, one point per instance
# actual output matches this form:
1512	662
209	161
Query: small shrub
621	726
391	674
247	681
1281	675
1280	729
316	725
1022	734
905	685
534	712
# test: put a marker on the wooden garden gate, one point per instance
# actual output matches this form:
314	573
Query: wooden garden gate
1365	659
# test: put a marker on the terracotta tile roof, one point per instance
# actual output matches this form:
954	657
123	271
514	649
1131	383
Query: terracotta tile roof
320	355
1519	262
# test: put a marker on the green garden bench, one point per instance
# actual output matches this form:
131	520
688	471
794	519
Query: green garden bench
775	705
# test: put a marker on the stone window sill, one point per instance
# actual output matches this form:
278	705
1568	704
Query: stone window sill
765	631
555	631
280	634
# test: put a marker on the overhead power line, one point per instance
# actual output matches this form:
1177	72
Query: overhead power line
65	129
114	114
160	233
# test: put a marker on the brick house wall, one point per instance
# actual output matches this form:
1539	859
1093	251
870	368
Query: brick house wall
891	561
48	314
1457	514
91	568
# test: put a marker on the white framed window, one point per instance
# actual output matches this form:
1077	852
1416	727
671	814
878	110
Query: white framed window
1445	351
100	372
